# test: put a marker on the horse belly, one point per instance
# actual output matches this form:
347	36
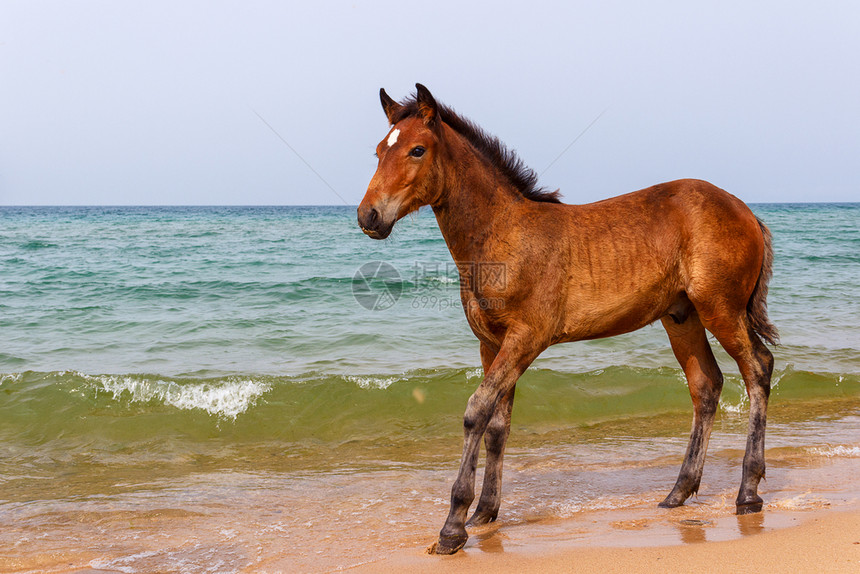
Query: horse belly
622	308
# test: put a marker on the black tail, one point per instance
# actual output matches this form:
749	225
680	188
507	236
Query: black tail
757	305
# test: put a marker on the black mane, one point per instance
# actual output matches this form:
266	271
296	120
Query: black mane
522	177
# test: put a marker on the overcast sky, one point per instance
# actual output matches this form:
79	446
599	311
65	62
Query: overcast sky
142	103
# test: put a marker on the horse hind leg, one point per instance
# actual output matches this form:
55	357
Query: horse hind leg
705	381
755	362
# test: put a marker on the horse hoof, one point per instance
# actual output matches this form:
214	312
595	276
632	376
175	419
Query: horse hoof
480	519
751	506
749	509
672	501
448	545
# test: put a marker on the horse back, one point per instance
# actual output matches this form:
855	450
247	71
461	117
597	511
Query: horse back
631	259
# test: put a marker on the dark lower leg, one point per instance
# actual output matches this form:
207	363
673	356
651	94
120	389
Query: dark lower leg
756	367
705	381
495	439
453	535
514	357
694	461
754	465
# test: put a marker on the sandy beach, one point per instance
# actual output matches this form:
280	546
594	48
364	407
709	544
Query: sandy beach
826	541
821	542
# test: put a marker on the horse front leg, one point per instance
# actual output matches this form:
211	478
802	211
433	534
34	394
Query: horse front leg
495	439
515	356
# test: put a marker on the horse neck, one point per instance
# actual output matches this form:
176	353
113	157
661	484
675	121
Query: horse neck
477	203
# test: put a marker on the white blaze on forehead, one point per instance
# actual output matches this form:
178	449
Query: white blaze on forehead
392	137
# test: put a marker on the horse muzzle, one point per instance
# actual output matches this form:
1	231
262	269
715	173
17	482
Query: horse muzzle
372	223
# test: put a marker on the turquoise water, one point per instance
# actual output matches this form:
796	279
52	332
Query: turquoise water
239	291
144	348
221	312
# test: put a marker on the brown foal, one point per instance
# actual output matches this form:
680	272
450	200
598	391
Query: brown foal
684	252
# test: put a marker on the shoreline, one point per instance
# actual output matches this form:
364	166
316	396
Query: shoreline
807	542
817	541
252	522
255	521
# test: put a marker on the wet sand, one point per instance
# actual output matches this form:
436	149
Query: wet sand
382	521
821	541
825	541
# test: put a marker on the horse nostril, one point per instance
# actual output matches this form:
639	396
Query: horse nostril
373	218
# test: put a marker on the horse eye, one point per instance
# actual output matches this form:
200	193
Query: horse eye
417	151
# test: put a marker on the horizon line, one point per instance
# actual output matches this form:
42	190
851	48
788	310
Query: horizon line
338	205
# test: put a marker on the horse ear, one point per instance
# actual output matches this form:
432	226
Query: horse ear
427	106
389	106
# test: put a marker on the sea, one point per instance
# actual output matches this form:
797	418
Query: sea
265	389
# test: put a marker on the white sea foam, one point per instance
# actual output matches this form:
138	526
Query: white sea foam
444	279
805	501
123	563
569	509
476	373
373	382
734	409
841	451
227	398
10	377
